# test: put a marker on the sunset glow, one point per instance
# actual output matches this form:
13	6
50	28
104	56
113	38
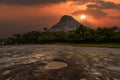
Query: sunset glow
82	17
20	16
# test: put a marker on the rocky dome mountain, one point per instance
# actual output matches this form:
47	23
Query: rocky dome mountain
66	23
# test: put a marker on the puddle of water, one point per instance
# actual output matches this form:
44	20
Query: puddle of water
56	65
38	55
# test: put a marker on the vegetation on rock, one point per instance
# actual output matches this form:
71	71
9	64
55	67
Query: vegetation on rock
80	35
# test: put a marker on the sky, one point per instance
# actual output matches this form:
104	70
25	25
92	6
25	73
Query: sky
19	16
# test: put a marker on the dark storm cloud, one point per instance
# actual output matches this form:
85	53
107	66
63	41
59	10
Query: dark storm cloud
96	13
30	2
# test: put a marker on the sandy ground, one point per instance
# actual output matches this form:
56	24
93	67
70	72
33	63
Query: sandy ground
28	62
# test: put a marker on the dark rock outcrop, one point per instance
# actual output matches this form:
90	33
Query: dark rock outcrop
66	23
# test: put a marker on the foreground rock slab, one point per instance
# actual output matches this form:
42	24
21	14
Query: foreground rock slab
50	62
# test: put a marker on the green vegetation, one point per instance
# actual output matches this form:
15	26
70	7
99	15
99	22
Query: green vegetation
81	36
110	45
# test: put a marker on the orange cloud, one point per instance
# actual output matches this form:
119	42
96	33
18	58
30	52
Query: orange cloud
33	17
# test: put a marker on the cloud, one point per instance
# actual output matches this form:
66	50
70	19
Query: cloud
101	4
96	13
114	17
104	5
82	2
96	8
30	2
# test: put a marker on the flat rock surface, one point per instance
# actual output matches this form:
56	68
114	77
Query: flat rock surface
51	62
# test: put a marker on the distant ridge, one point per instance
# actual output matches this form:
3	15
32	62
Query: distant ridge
66	23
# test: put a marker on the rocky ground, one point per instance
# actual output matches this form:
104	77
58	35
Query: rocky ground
50	62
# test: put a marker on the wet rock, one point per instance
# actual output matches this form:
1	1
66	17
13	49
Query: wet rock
8	79
97	74
99	65
97	78
115	79
6	72
83	79
50	62
114	68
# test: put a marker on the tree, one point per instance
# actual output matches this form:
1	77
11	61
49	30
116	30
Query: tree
45	29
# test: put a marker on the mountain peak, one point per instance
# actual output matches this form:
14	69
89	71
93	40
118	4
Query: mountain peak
66	17
66	23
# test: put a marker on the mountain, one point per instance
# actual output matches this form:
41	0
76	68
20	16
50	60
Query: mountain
66	23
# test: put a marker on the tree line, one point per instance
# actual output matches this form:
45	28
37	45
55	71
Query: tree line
80	35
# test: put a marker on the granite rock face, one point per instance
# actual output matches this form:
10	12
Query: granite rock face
51	62
66	23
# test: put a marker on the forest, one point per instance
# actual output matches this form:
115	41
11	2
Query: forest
80	35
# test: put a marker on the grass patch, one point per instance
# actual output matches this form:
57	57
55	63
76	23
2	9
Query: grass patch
109	45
